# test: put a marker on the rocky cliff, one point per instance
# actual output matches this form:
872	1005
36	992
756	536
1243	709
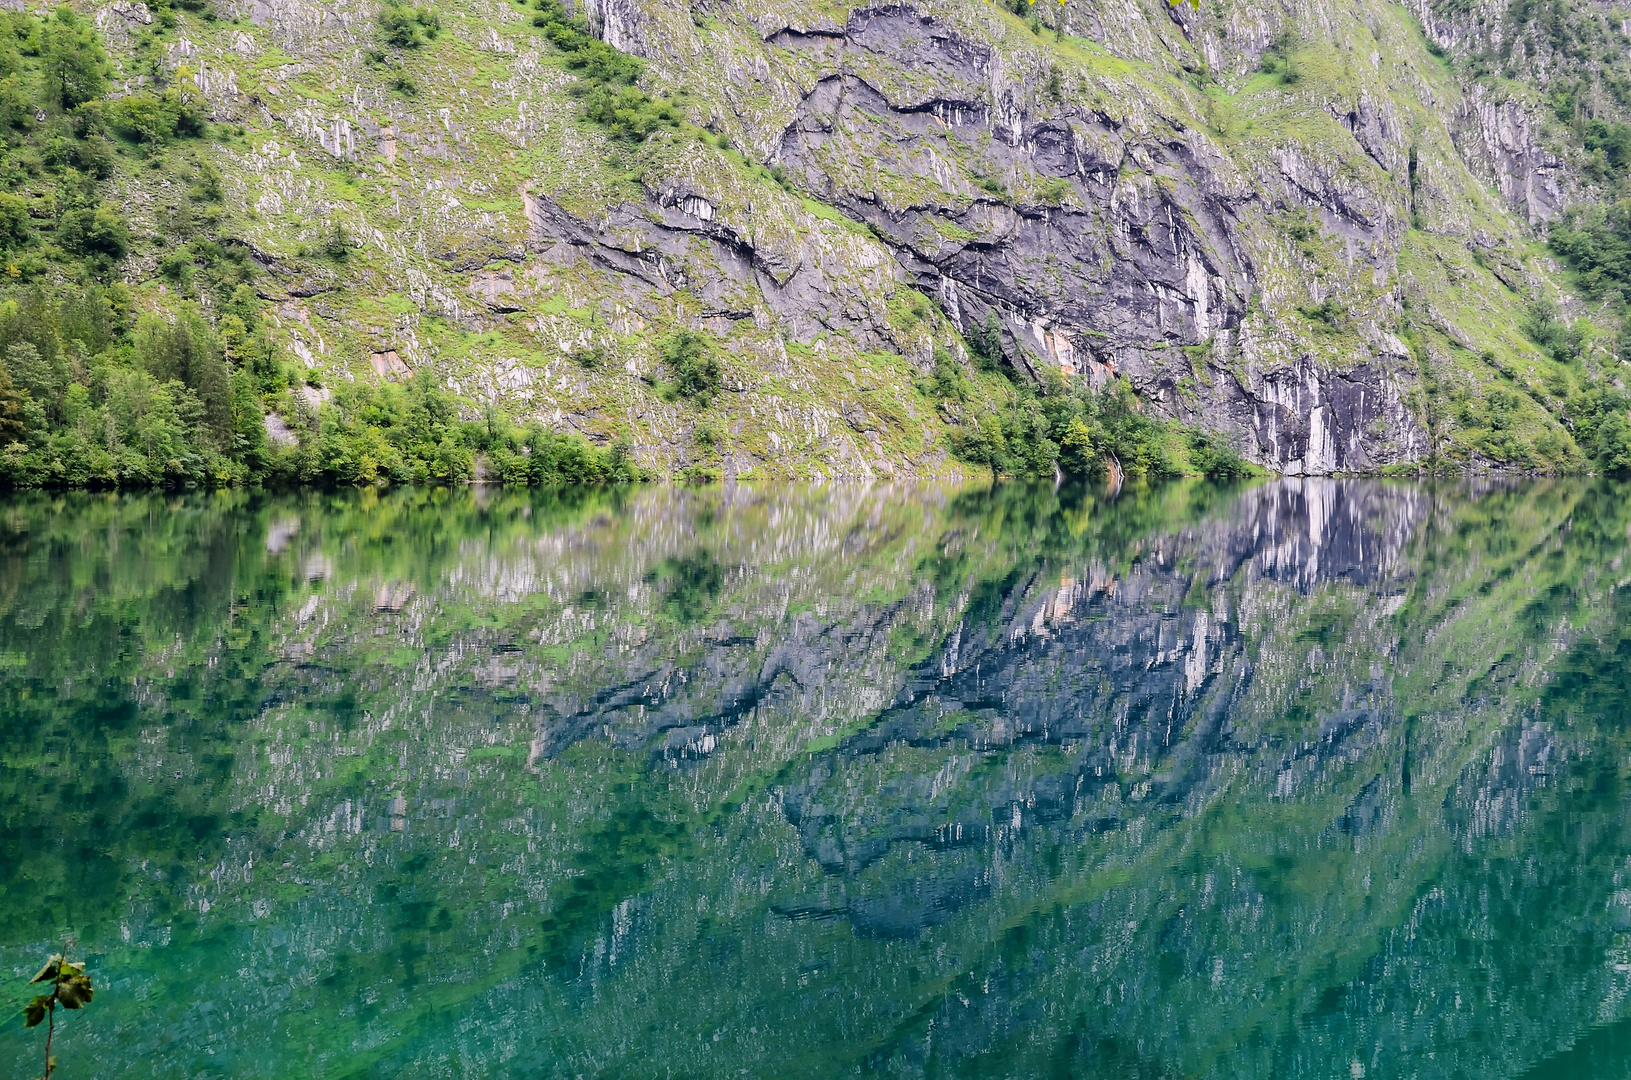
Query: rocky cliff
1303	228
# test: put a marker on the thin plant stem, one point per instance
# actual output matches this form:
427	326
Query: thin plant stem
50	1033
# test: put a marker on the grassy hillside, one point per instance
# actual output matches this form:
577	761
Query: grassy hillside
368	243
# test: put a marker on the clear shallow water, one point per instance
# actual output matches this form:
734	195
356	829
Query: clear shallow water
1306	779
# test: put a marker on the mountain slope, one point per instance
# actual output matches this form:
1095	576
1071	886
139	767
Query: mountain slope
1309	232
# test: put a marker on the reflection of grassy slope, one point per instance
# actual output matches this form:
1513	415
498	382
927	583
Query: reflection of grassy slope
548	859
349	684
1321	923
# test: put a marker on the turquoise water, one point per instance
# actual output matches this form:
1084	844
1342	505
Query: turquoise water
1301	779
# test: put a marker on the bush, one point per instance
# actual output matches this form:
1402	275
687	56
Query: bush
89	231
1328	313
1278	59
690	356
546	457
402	27
1596	242
336	244
15	228
627	113
1070	429
586	54
1053	190
591	357
1543	323
1210	452
611	98
146	117
1601	419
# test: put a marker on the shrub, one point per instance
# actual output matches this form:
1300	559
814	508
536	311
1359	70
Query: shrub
1596	242
1211	453
689	355
547	457
586	54
146	117
1601	419
15	230
592	356
947	380
402	27
207	186
1543	323
991	186
336	243
1278	59
1329	314
608	88
1071	429
89	231
627	112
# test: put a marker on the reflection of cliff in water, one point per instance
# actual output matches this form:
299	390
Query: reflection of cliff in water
1299	532
1129	676
1281	749
1012	782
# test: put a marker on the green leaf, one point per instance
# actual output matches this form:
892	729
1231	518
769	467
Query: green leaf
75	992
49	971
33	1013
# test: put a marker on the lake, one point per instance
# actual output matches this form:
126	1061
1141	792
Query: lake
1309	778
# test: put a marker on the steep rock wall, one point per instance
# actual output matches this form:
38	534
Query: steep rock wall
1114	227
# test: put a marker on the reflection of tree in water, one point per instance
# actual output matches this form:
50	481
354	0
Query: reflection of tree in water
690	585
1014	782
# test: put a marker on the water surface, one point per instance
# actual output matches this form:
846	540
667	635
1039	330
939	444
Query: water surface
1303	779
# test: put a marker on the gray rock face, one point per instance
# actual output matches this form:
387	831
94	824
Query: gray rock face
1091	277
679	240
620	23
1308	420
1498	138
1133	243
1252	286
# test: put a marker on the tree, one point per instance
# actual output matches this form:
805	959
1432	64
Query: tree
41	378
75	68
985	342
13	429
15	228
70	987
187	352
1078	452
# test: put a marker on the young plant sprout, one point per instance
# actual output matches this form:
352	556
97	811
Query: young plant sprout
70	988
